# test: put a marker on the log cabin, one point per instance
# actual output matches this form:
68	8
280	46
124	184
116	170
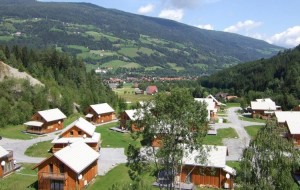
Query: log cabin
46	121
7	162
129	119
100	113
80	129
213	172
263	108
72	167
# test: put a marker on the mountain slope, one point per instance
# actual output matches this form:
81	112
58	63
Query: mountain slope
277	76
171	42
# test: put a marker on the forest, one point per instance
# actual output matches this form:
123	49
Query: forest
67	84
277	77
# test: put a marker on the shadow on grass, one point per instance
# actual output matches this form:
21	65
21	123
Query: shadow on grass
34	185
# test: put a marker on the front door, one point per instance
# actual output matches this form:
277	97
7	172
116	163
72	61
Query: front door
57	185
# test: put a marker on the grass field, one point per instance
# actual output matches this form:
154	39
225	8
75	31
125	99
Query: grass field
118	176
81	48
217	139
6	38
253	130
132	51
119	63
25	178
114	139
15	132
175	67
97	36
234	164
128	94
245	118
40	149
230	105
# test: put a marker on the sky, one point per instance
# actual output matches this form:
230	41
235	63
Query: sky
274	21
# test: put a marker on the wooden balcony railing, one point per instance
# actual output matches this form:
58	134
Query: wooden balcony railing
54	176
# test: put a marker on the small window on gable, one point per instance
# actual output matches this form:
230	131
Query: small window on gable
79	132
71	133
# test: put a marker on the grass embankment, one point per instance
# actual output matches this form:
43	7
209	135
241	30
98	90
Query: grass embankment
40	149
245	118
253	130
16	132
221	134
25	178
127	93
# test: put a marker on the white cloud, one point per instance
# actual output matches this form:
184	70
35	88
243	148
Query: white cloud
206	26
243	26
288	38
184	3
146	9
173	14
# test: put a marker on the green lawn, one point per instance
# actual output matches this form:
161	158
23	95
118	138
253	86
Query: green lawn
128	94
230	105
217	139
119	63
40	149
234	164
81	48
175	67
15	132
118	175
23	179
114	139
6	38
253	130
244	118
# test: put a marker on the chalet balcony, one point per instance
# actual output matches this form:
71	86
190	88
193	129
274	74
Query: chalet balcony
54	176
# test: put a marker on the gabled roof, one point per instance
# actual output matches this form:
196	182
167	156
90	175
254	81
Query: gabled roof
78	156
263	104
151	89
82	124
132	114
3	152
94	139
294	126
283	116
215	100
102	108
52	115
34	123
215	157
209	101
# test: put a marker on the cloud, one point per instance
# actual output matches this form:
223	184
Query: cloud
173	14
181	4
206	26
243	26
288	38
146	9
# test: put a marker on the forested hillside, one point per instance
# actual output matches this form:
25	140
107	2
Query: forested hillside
66	82
115	39
278	77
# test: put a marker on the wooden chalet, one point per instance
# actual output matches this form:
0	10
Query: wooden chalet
263	108
151	90
217	103
73	167
210	106
79	130
129	119
293	133
213	172
7	162
100	113
296	108
46	121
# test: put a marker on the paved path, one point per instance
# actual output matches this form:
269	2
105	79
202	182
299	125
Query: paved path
110	158
236	146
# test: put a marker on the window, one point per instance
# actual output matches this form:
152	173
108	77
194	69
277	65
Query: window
79	132
51	168
71	133
61	168
57	185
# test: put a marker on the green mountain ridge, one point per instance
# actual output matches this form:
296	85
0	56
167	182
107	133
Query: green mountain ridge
277	77
168	45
